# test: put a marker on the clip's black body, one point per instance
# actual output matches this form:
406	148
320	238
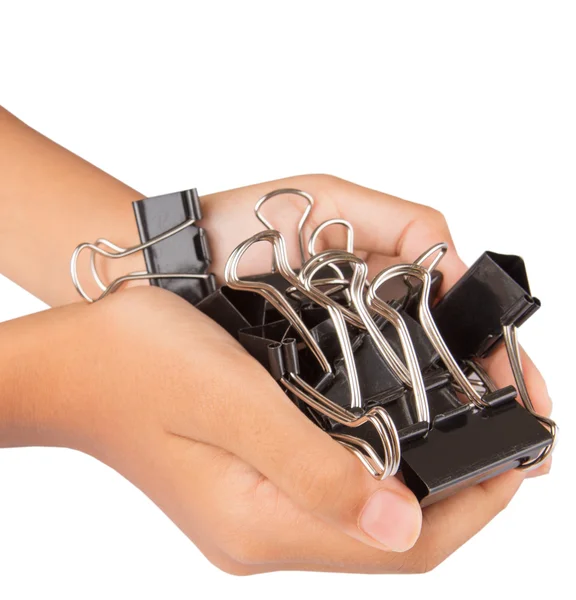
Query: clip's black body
464	445
492	293
471	446
184	252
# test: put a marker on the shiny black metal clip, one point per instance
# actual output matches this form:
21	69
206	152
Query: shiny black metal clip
175	249
493	292
185	252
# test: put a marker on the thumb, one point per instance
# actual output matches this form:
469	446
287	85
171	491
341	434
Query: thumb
317	473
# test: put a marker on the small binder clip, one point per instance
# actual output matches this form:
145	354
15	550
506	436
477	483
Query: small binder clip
175	249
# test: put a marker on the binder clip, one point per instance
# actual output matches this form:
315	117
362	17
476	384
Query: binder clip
373	363
493	292
175	249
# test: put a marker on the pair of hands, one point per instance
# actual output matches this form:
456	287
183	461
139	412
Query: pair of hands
152	387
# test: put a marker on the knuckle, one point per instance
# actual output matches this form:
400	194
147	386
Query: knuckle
328	179
235	570
318	181
412	562
433	224
397	563
322	178
435	215
430	558
497	500
424	557
313	484
436	219
130	302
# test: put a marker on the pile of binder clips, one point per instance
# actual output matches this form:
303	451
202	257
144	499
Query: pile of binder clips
383	366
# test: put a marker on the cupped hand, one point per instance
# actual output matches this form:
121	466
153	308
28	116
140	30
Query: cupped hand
159	392
162	394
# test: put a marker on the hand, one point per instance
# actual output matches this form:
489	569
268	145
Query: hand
150	386
204	431
159	392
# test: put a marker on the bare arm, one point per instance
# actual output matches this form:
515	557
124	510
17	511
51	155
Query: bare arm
50	201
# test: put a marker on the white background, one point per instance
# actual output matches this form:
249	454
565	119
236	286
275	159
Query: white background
468	107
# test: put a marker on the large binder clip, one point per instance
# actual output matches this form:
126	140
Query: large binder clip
175	249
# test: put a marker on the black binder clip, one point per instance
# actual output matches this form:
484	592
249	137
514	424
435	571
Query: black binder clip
175	249
493	292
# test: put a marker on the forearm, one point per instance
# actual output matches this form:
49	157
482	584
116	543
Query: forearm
51	364
50	201
29	347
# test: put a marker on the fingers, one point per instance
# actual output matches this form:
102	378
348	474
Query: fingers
240	520
446	527
245	524
251	525
229	219
316	504
383	224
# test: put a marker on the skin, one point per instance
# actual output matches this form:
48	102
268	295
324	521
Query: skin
179	408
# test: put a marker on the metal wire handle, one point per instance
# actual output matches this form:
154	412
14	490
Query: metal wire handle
427	323
309	199
362	314
440	249
513	350
119	252
377	416
349	248
269	292
292	382
329	223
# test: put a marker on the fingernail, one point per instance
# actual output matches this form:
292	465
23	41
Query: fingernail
392	520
